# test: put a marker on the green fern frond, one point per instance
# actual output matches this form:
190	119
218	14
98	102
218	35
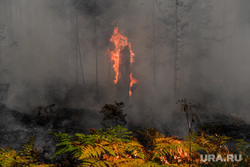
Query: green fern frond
136	149
206	142
95	163
113	142
151	164
88	151
131	162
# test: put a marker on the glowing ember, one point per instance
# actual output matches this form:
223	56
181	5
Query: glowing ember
120	42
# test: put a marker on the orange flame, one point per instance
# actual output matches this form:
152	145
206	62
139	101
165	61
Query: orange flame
120	42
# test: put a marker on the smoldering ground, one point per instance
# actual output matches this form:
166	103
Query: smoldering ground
51	49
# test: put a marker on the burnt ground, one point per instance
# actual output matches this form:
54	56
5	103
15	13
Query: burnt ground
16	127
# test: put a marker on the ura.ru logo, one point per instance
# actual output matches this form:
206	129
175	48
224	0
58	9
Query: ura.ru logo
220	158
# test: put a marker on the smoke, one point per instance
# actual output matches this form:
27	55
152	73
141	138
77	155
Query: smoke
50	49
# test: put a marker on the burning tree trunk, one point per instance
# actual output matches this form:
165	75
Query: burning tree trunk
178	51
124	81
122	58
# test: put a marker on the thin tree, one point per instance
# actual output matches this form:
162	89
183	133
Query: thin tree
200	20
92	9
178	51
2	37
187	107
154	58
96	47
79	49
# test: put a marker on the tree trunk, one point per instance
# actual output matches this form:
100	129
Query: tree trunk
76	55
196	51
29	7
154	58
79	48
96	56
178	51
123	83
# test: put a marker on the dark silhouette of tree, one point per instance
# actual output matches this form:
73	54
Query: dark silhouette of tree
114	112
187	106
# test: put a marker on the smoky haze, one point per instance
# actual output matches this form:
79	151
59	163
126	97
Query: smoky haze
42	62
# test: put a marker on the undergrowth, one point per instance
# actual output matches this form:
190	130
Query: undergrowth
117	147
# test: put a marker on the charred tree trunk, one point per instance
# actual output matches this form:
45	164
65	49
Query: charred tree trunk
178	51
124	81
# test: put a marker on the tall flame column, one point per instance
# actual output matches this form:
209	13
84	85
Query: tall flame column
122	58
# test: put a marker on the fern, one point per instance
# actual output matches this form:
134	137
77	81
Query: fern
104	147
166	150
88	151
96	163
151	164
9	157
242	146
211	144
29	152
193	142
124	162
115	133
28	156
148	137
65	145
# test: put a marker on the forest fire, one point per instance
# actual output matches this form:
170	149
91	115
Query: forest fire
120	42
116	83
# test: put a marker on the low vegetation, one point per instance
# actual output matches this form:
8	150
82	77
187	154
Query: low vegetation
116	146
